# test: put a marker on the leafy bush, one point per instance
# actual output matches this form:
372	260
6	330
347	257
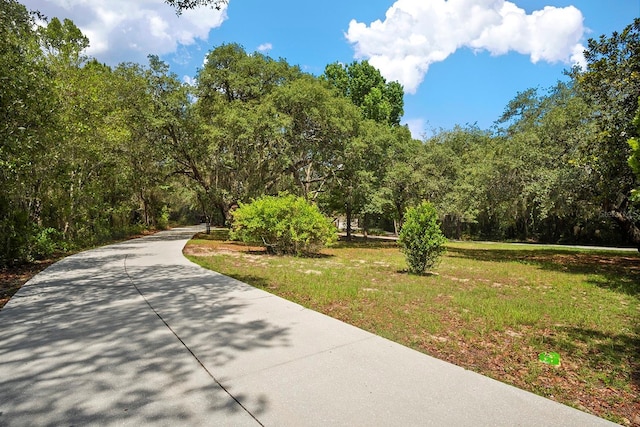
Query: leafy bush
22	241
634	159
45	243
420	238
283	224
15	233
162	222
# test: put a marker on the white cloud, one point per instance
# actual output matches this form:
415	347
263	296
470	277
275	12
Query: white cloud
416	127
189	80
265	47
126	30
417	33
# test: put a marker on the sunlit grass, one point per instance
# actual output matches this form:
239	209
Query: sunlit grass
491	308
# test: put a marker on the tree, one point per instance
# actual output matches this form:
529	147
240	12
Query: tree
358	178
539	183
144	165
453	163
64	40
243	131
317	126
68	174
231	74
26	104
421	239
178	132
403	183
634	158
611	84
366	88
362	182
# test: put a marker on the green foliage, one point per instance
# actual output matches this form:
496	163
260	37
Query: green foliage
25	104
611	84
89	152
21	240
45	243
421	239
403	179
363	84
317	127
162	220
64	40
239	142
634	158
284	224
15	233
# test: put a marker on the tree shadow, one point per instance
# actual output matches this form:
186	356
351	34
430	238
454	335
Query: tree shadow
315	256
613	271
82	345
603	349
215	234
406	272
359	242
256	281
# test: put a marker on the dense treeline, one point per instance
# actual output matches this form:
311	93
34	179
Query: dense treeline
90	152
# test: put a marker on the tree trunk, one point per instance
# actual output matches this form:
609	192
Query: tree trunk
627	223
224	212
348	212
364	226
629	227
397	224
145	208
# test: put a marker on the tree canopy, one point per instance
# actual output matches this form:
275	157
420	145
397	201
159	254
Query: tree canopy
363	84
611	85
89	152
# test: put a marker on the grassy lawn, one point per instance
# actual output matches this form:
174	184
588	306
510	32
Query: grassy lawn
491	308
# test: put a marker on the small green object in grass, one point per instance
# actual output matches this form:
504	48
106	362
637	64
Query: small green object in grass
550	358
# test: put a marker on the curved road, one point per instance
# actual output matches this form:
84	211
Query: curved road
135	334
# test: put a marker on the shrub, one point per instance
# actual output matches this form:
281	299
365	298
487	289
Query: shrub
420	238
283	224
15	233
45	243
162	222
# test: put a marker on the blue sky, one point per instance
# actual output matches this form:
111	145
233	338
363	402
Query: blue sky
461	61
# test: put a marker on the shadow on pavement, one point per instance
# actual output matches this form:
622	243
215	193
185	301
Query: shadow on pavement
80	345
620	273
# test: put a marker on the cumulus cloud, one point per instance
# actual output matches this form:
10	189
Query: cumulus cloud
126	30
417	33
189	80
265	47
416	127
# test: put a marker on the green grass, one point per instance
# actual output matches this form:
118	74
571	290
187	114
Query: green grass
491	308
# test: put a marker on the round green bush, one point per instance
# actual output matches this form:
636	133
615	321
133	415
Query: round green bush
421	239
283	224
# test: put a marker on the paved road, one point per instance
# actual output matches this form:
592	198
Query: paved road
135	334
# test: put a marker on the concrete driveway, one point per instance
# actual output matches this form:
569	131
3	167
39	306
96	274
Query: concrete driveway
135	334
